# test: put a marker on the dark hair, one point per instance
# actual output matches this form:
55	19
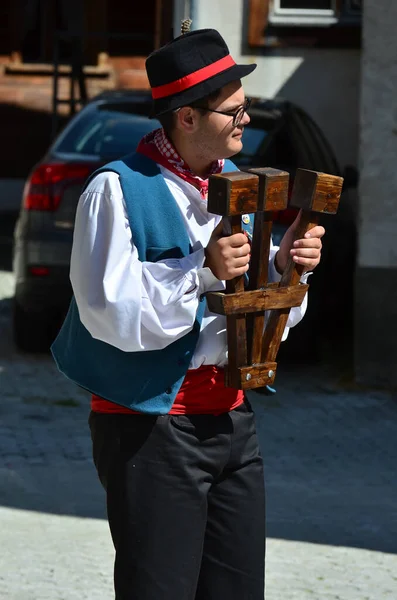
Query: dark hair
167	120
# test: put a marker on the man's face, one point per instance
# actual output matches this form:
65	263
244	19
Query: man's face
216	137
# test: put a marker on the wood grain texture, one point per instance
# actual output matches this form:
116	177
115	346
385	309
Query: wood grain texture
316	191
254	376
258	279
263	191
233	193
291	276
273	188
260	249
272	196
257	300
236	324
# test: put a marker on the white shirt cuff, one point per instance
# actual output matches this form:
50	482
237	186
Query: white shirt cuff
199	276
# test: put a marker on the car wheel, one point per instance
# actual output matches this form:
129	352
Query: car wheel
33	331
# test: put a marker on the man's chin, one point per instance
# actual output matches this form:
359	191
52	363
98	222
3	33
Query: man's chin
234	147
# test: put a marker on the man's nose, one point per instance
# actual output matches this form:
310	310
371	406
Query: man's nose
246	119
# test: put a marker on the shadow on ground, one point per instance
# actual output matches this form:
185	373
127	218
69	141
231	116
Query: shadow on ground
330	453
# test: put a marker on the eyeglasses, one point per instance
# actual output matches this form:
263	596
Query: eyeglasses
237	115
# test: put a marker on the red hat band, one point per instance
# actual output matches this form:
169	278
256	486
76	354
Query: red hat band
184	83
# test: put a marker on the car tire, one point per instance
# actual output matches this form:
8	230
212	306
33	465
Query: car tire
33	331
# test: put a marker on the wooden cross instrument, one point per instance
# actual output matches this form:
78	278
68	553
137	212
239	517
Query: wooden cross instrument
252	343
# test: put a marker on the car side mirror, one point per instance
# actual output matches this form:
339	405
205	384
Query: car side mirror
351	176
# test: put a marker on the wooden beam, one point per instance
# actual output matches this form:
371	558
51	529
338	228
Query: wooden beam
255	376
257	21
256	301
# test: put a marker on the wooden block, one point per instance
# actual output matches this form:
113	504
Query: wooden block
233	194
315	191
253	376
273	188
256	300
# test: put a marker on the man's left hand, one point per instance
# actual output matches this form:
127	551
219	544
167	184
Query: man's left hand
305	252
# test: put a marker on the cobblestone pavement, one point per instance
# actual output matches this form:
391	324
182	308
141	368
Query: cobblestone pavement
330	455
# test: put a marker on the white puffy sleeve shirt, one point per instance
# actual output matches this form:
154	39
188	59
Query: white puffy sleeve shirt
137	306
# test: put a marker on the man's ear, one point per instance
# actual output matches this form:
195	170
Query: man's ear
187	119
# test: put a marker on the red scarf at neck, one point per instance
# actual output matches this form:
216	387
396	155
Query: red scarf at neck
157	146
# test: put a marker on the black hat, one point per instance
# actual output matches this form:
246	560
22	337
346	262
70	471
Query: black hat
191	67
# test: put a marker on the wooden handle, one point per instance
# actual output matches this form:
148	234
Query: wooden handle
258	279
236	324
272	196
233	224
293	272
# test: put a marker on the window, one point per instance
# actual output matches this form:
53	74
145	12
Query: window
107	131
304	22
313	12
304	12
252	140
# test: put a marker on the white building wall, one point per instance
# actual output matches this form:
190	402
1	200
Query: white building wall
378	188
376	274
323	82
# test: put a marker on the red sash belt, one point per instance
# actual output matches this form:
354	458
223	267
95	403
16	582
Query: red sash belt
203	392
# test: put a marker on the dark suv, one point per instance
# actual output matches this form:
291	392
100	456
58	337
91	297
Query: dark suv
280	135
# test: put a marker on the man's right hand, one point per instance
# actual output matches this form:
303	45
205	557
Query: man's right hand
227	256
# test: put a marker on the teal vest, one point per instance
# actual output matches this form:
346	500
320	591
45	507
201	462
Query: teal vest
144	381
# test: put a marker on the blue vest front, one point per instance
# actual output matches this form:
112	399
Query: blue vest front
144	381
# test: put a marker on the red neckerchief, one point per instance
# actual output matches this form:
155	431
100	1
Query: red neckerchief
158	147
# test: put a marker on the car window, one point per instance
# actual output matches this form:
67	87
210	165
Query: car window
253	139
311	148
106	133
277	151
323	149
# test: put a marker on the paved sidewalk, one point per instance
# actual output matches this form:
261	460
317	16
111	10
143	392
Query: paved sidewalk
330	456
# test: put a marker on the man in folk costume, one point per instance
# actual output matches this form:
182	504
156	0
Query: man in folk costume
175	450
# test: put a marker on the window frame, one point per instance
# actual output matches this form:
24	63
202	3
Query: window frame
303	16
340	31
